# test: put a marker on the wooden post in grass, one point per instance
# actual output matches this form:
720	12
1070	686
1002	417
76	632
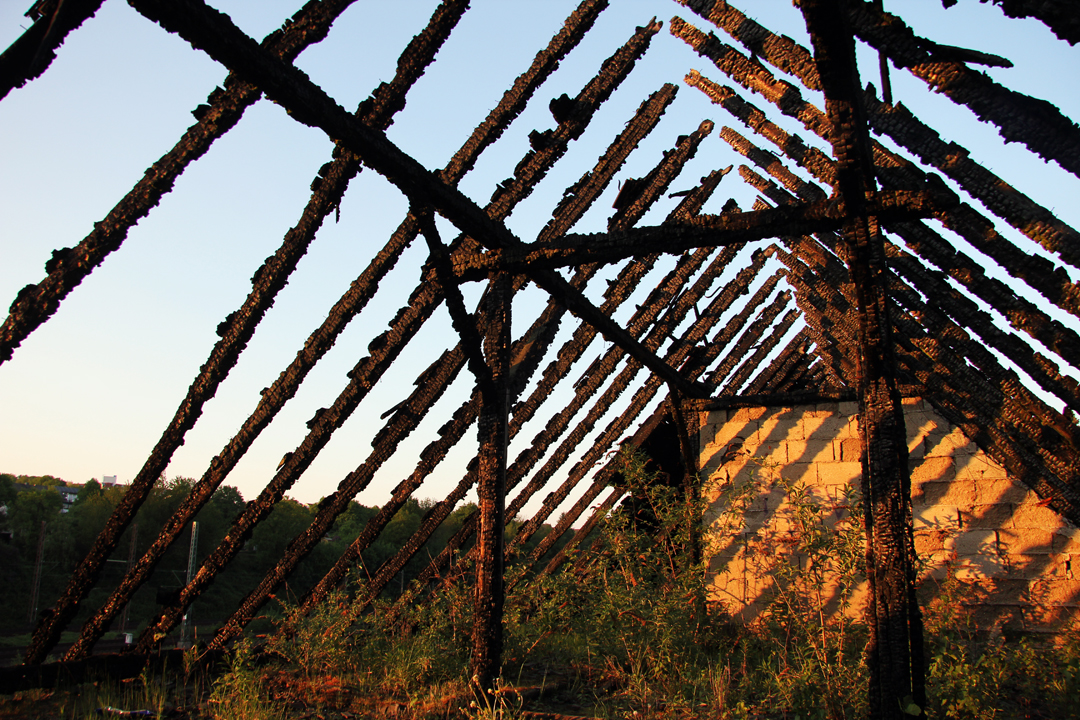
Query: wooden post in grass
894	654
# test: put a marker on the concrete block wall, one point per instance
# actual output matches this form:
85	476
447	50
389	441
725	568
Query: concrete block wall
1017	561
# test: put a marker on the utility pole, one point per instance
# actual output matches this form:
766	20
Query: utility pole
130	562
36	585
190	571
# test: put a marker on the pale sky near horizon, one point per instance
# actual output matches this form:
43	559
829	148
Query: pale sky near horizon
89	393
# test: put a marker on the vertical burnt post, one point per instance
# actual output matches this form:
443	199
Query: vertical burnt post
897	684
491	489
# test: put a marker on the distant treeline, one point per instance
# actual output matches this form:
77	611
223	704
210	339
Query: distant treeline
28	501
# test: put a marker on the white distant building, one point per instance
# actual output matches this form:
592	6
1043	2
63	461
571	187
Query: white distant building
108	480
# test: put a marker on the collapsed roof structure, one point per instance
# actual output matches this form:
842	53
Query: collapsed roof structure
843	288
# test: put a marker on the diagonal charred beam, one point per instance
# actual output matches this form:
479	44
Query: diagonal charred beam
620	289
753	333
580	534
471	342
1058	15
526	357
32	53
736	325
36	303
209	30
1020	118
600	482
778	50
237	329
763	348
895	652
774	375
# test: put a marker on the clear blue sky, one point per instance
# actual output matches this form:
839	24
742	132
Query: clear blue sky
89	393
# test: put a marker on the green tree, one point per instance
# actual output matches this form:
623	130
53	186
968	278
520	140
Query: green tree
30	508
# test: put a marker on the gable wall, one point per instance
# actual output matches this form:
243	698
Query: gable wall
1013	563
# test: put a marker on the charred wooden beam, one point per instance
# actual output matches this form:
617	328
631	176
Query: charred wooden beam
795	351
762	349
466	326
895	651
751	337
736	325
239	326
33	51
778	50
1020	118
787	97
1058	15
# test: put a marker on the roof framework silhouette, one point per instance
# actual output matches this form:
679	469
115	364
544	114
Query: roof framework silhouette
835	276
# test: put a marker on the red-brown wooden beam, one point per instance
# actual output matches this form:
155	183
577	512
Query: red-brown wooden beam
895	654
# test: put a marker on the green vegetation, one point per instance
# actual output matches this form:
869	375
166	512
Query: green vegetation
621	632
69	536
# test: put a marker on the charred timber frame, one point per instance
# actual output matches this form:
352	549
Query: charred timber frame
1042	275
617	292
702	231
425	298
215	34
526	355
895	652
235	330
897	172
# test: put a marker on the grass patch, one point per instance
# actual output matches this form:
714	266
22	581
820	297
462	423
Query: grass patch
622	631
